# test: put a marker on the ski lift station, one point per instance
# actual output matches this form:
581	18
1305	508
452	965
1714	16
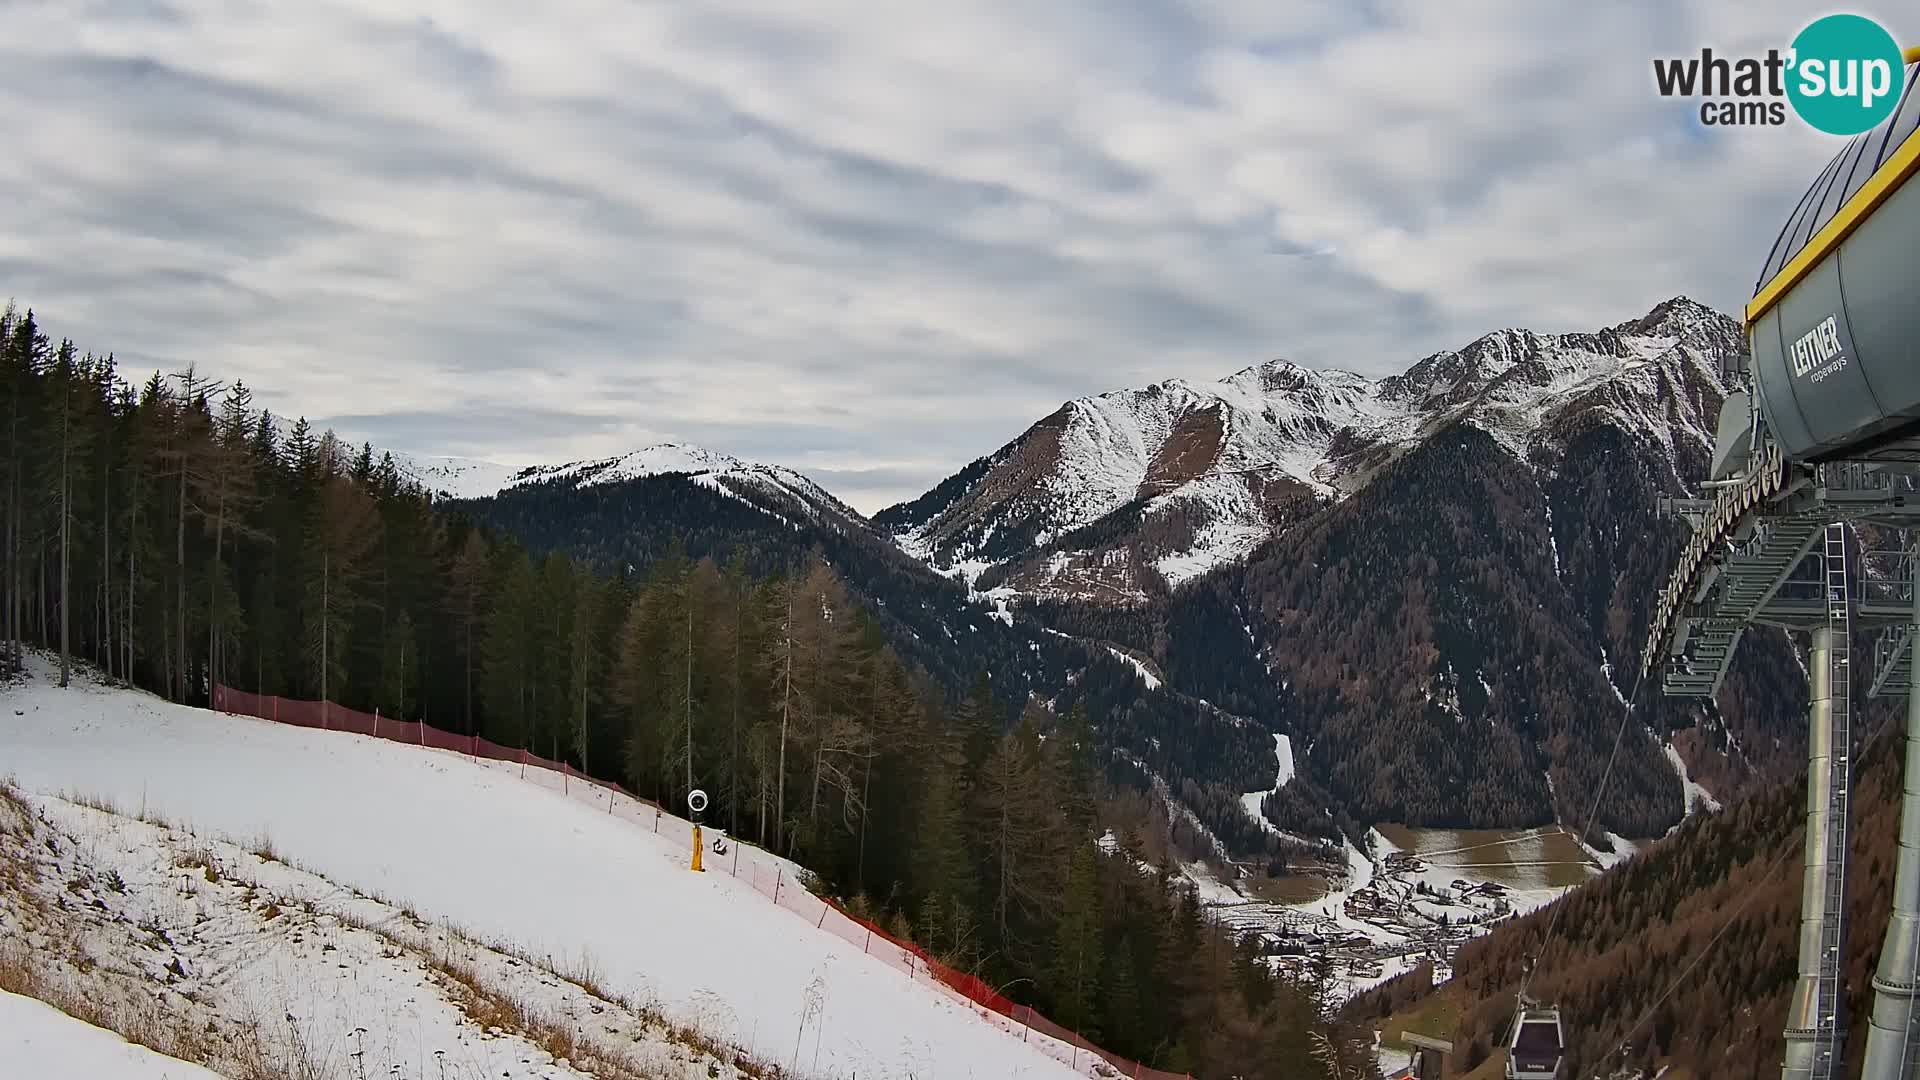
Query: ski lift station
1820	435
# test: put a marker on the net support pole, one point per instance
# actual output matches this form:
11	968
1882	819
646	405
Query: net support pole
1893	1044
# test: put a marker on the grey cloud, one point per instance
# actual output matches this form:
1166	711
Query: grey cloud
869	243
428	433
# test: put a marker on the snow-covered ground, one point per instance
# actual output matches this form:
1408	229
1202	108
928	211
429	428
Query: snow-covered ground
456	477
233	958
1283	753
1698	798
510	862
39	1042
1146	676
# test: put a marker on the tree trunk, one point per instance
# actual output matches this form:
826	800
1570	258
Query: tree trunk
213	580
866	777
1006	803
786	704
66	528
12	612
813	807
133	527
733	765
106	549
326	625
180	582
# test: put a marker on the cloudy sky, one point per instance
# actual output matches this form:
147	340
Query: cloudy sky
871	241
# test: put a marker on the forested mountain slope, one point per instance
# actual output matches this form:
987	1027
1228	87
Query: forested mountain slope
1686	953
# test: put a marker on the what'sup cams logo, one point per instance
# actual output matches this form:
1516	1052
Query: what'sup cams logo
1843	74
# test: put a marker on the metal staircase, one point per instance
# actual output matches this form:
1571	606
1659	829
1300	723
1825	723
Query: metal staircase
1893	661
1829	1038
1748	576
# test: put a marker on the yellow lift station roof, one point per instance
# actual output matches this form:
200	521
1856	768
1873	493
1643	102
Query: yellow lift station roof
1872	166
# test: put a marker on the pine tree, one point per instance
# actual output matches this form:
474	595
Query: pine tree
342	530
25	355
508	686
71	400
940	864
1122	997
187	448
469	584
584	667
222	482
401	657
1076	957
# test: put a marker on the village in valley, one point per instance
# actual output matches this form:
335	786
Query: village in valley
1386	911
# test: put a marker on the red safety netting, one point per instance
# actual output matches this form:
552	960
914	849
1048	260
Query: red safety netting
767	874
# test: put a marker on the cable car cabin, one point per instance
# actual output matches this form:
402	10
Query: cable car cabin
1537	1049
1834	329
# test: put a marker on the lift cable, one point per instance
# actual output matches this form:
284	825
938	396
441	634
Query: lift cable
1593	816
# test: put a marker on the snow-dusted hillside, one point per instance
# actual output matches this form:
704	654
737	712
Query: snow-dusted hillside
456	477
509	863
779	491
1185	476
772	487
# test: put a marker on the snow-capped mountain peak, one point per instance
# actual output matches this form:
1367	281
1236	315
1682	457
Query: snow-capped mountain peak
775	489
661	459
1191	475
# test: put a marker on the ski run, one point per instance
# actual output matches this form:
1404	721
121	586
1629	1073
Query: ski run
319	887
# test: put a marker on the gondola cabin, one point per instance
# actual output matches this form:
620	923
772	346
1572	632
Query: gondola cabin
1537	1050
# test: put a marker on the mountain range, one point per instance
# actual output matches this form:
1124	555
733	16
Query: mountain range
1429	581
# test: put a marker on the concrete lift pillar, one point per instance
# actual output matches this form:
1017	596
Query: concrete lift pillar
1893	1043
1816	1019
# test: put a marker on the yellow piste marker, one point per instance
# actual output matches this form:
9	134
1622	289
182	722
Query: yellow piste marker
697	802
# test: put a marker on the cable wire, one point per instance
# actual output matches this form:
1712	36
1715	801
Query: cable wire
1593	816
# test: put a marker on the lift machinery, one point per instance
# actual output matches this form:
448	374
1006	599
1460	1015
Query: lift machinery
1820	435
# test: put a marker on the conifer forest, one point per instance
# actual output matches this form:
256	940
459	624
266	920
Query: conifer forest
163	530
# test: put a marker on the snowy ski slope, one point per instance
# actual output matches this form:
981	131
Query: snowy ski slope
507	860
41	1042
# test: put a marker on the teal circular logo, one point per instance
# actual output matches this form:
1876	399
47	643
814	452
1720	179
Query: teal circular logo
1844	75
